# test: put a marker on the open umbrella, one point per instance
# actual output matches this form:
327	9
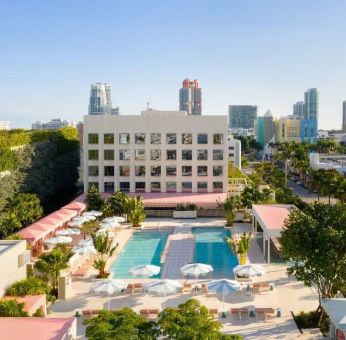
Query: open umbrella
196	269
93	213
105	232
58	240
105	225
249	270
146	270
224	287
108	287
163	287
118	219
68	232
80	220
87	249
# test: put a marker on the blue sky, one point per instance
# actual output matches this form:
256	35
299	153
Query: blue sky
264	52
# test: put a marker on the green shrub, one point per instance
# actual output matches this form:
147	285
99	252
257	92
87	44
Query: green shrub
39	313
12	308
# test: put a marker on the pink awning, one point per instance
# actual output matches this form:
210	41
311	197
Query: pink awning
75	205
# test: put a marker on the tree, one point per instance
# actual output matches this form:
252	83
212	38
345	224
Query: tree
324	146
241	246
12	308
229	205
90	228
315	182
341	190
285	153
120	325
315	241
93	199
330	183
251	195
135	209
117	203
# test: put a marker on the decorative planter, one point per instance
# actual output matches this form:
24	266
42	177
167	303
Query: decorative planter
185	214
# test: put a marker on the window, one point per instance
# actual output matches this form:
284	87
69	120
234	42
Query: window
202	186
186	186
155	138
171	186
124	155
124	186
155	170
93	138
202	170
186	138
171	170
140	155
217	170
140	186
140	138
217	186
124	170
155	155
171	138
202	155
93	170
108	138
171	155
217	155
155	186
108	155
186	170
109	186
218	138
109	171
202	138
93	155
93	184
140	170
186	155
124	138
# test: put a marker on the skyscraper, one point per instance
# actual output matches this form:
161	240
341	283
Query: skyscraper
264	128
298	109
311	104
242	116
100	99
344	116
190	97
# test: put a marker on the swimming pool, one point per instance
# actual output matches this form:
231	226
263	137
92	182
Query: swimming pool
210	248
144	247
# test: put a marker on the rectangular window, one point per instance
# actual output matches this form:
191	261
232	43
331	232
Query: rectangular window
124	170
124	138
108	155
93	155
171	170
155	170
108	138
171	186
202	138
155	138
202	186
171	138
140	155
186	186
124	155
109	186
171	155
202	170
93	138
93	170
218	138
186	155
109	171
217	155
93	184
217	186
140	186
140	138
155	155
202	155
217	170
186	138
155	186
124	186
186	170
140	170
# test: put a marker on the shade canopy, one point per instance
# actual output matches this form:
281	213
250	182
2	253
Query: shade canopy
196	269
108	286
68	232
87	249
58	240
249	270
93	213
146	270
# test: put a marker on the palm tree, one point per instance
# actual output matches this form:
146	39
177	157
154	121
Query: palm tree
135	208
241	246
230	205
90	228
117	203
315	181
330	183
285	153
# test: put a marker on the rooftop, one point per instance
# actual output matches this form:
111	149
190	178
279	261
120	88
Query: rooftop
336	310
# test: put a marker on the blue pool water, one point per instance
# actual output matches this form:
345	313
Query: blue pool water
144	247
210	248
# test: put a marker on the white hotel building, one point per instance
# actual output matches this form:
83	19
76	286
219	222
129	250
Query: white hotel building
157	151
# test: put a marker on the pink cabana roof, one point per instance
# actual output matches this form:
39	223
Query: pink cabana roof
77	205
33	328
31	302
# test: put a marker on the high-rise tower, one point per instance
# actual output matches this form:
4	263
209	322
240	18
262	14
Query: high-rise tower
311	104
190	97
298	109
100	99
242	116
344	116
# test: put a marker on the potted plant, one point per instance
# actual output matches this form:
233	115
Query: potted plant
187	210
230	205
135	209
240	247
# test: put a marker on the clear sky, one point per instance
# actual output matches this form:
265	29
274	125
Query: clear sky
264	52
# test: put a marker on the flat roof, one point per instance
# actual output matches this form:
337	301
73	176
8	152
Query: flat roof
336	310
31	302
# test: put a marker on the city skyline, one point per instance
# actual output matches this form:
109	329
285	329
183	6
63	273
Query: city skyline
244	53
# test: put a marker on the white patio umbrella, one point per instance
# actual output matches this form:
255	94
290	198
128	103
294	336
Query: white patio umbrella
224	287
118	219
87	249
68	232
249	270
145	270
58	240
106	225
196	269
108	287
105	232
88	242
93	213
163	287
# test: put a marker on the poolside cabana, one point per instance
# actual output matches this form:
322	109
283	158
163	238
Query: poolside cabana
76	205
267	223
31	303
336	310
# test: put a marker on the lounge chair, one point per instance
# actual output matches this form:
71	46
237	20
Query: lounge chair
235	313
204	288
138	287
270	313
154	312
260	314
244	313
130	288
87	312
144	313
187	287
214	312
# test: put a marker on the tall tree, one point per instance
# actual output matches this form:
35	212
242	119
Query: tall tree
93	199
117	203
135	208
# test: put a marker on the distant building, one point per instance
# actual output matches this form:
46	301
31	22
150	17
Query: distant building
242	116
234	151
344	116
311	104
298	109
54	124
100	101
4	125
241	132
308	130
190	97
264	128
327	161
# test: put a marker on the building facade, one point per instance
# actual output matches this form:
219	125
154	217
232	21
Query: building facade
157	151
308	130
4	125
234	151
54	124
344	116
100	101
264	128
242	116
299	109
190	97
311	104
294	129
